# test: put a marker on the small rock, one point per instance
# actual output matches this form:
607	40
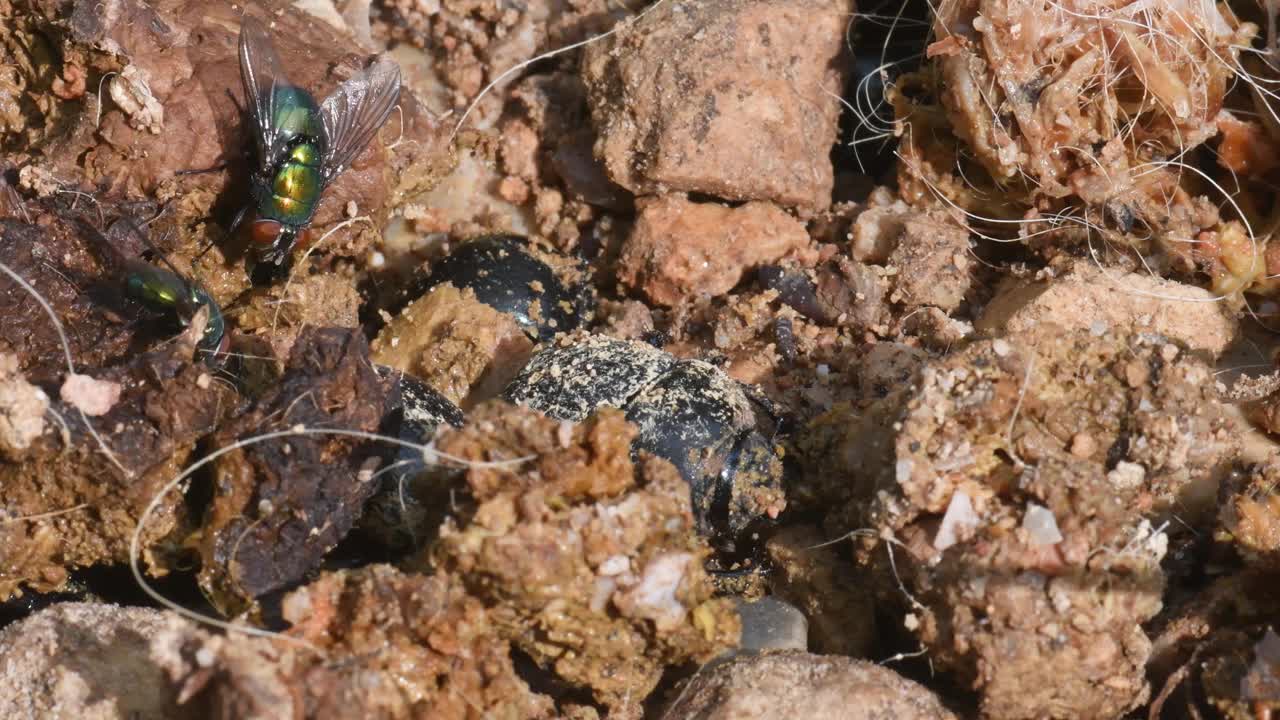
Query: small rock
932	263
654	597
793	684
131	91
87	660
724	97
680	248
90	396
876	230
772	624
1083	445
1041	525
852	294
958	521
38	180
459	346
1127	475
926	252
1085	297
22	408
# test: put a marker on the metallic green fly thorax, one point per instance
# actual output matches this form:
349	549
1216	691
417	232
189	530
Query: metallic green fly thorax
295	114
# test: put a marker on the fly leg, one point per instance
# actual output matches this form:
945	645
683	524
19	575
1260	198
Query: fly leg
202	171
235	224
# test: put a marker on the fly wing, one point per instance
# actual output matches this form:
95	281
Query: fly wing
356	110
261	73
107	253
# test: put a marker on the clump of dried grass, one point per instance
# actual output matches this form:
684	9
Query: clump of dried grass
1124	125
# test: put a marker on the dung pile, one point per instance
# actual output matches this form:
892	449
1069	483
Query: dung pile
1010	502
1078	122
980	428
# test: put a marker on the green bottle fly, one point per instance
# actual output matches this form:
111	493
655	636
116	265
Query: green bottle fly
167	292
302	146
293	192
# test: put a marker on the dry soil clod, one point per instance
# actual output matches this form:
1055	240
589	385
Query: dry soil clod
797	684
591	562
727	98
278	507
1102	433
146	435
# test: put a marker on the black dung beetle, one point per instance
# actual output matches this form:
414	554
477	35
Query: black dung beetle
509	275
407	505
718	434
415	412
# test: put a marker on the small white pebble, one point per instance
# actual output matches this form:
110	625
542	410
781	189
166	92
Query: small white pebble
910	621
265	507
902	471
1001	348
1041	525
823	370
377	259
958	520
1098	328
1127	475
90	396
204	381
352	209
654	597
205	657
614	565
604	587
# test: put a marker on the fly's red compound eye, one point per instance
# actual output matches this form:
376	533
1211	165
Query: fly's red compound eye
263	233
